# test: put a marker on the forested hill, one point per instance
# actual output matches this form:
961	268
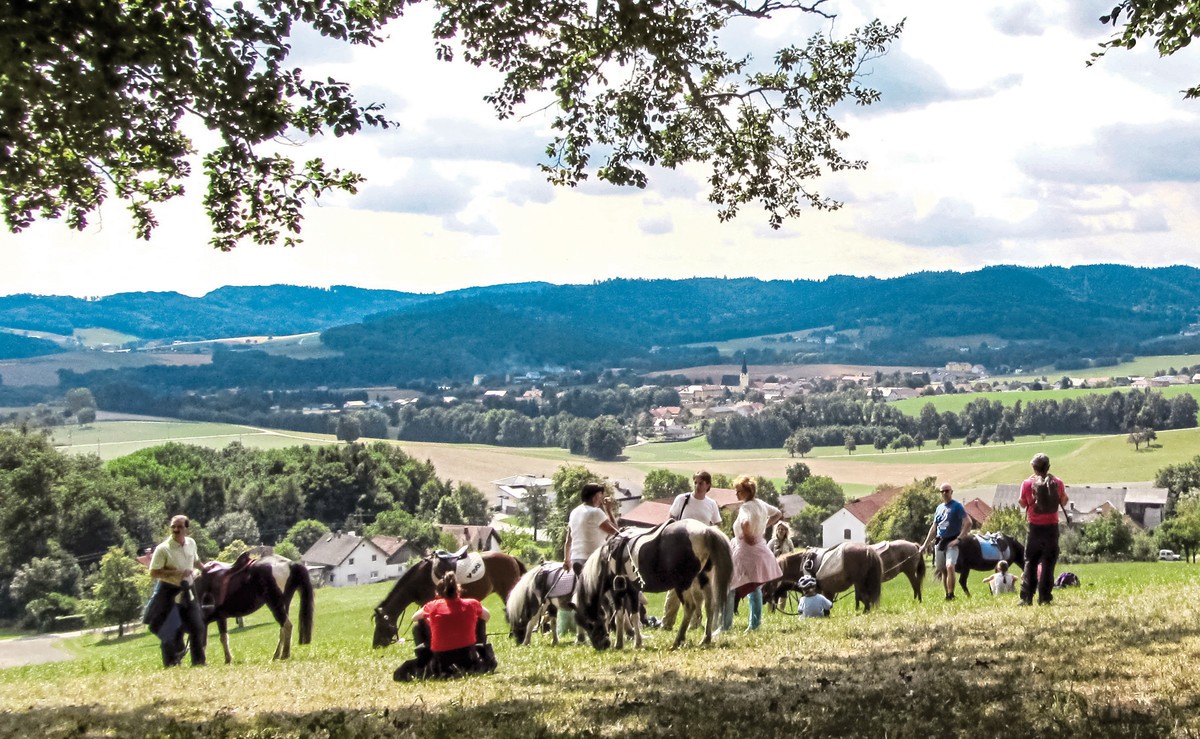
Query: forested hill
226	312
999	316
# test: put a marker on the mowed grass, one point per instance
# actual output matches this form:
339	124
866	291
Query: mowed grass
957	401
1140	367
1115	657
112	439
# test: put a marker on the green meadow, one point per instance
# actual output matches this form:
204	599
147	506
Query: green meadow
1115	657
111	439
957	401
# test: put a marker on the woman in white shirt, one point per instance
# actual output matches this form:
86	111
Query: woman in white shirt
753	562
588	526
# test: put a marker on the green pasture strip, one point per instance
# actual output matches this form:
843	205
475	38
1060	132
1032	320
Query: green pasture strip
1115	657
112	439
1108	459
957	401
1140	367
99	336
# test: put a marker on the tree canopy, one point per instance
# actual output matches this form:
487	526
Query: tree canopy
98	103
1170	25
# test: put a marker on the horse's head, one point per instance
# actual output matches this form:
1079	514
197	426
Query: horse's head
592	603
386	629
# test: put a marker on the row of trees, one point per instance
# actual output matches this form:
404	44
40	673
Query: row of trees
853	419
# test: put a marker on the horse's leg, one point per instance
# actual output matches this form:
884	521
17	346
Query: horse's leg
283	650
223	629
962	580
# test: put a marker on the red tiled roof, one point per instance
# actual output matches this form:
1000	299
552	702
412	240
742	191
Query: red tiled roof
978	510
651	513
865	508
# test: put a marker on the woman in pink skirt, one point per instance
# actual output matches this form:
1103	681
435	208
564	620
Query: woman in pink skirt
753	562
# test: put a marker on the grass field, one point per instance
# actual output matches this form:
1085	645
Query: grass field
957	401
1140	367
92	337
1080	460
1115	657
114	439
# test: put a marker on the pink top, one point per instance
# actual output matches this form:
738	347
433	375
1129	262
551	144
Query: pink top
1027	503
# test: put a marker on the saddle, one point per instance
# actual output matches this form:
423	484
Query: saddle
468	567
560	582
219	575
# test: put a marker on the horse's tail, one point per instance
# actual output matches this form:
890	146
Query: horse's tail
920	565
304	585
873	582
720	557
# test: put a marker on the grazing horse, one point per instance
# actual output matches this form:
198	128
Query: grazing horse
904	556
545	588
849	564
983	553
234	591
501	573
686	556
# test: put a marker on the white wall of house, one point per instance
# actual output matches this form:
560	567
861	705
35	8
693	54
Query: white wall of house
364	565
834	529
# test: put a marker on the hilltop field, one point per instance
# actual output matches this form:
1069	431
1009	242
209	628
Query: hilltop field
1113	658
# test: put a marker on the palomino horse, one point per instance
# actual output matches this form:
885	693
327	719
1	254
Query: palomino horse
540	591
501	573
983	553
227	592
848	565
686	556
902	556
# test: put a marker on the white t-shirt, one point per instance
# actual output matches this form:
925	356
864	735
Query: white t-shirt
814	606
705	511
758	514
586	534
1002	583
175	555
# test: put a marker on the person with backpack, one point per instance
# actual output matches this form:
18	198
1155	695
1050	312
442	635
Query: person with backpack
697	506
1042	495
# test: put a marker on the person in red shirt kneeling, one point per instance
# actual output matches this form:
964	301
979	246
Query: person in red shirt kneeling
450	634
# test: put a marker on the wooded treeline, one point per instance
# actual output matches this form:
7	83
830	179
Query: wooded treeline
70	508
828	420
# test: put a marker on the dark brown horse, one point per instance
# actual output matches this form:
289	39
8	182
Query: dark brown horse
501	573
902	556
240	589
974	554
848	565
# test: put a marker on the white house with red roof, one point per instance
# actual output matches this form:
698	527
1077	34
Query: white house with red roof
849	523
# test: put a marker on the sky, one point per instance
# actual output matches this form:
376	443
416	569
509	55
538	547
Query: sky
993	144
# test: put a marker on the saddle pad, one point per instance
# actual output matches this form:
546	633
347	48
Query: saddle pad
989	551
882	546
831	564
561	582
470	568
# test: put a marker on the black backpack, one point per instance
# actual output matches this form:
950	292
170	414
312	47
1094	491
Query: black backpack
1045	494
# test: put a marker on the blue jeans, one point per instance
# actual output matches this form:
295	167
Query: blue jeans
755	601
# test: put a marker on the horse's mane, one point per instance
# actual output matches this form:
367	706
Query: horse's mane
523	600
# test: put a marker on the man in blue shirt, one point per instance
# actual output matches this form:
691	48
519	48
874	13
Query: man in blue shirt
950	524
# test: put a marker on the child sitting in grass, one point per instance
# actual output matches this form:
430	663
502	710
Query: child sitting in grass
813	605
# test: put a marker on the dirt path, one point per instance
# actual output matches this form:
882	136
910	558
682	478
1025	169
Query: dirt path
32	650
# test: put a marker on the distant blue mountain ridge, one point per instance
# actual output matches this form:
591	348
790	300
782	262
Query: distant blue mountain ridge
1031	313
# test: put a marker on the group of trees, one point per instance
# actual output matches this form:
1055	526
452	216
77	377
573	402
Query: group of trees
853	418
61	511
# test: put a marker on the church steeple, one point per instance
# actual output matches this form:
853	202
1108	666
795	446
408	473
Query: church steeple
744	380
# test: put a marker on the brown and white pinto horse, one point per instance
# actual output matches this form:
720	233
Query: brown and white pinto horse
902	556
253	581
415	586
686	556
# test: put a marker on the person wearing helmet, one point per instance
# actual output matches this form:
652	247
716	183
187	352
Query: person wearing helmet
813	605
